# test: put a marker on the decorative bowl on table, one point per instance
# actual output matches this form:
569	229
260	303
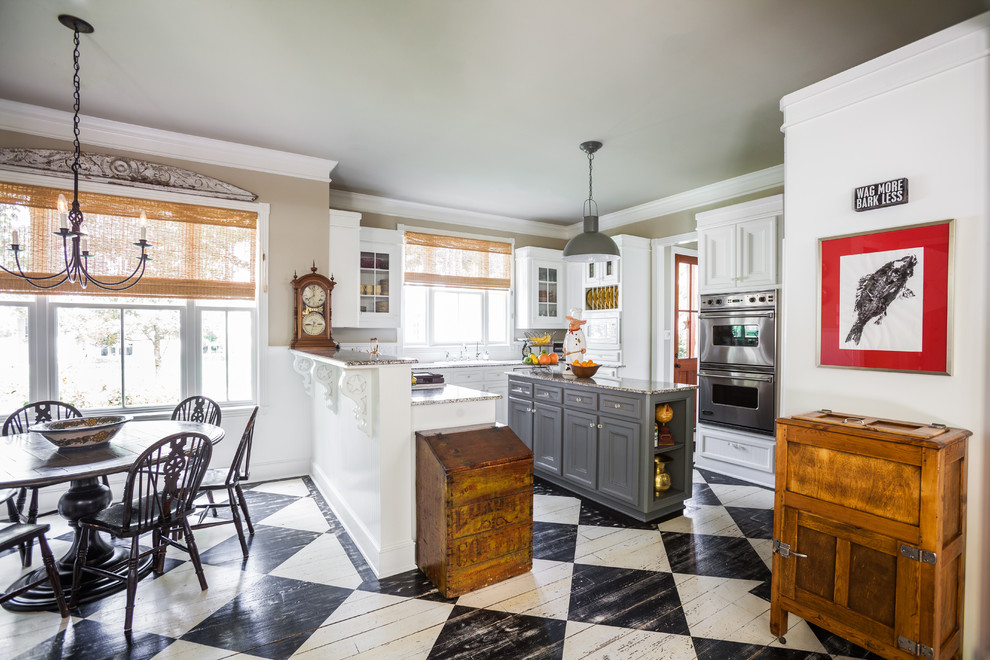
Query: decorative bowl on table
81	432
584	372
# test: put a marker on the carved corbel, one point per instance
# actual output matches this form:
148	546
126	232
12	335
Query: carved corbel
357	387
327	376
304	366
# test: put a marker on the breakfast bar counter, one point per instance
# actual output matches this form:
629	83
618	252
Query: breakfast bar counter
364	419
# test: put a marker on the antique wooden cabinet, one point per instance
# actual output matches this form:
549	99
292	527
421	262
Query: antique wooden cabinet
474	507
870	532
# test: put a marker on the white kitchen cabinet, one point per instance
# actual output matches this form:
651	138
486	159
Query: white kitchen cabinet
747	456
601	273
540	288
379	280
616	303
485	379
738	246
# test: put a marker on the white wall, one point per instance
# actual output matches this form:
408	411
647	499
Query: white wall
920	112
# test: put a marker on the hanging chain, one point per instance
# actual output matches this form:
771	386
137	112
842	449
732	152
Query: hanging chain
591	157
75	107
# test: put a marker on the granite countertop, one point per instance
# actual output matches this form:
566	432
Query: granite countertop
350	358
462	364
450	394
623	384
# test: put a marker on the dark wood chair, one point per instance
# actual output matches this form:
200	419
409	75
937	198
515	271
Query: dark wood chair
158	497
21	535
230	480
198	409
19	422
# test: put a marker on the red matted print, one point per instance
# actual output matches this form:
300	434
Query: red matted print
885	299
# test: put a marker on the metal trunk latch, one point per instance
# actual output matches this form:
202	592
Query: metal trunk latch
784	549
917	554
915	648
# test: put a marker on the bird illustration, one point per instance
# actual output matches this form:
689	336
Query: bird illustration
876	291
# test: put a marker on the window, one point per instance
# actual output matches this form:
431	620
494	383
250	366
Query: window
191	326
456	291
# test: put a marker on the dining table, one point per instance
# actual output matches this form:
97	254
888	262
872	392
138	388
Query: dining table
28	460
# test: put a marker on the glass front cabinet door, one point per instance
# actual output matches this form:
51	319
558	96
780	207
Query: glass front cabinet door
378	282
540	288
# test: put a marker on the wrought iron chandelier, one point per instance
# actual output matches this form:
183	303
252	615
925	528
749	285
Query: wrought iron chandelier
590	245
75	244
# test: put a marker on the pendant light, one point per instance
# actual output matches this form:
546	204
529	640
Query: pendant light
591	245
75	244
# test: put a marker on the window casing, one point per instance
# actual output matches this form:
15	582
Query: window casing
456	292
161	349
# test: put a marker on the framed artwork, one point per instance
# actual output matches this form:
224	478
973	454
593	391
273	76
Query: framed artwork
885	299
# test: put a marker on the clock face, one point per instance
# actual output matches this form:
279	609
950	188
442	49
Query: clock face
314	296
314	323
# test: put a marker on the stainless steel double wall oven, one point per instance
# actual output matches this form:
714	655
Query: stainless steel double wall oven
737	375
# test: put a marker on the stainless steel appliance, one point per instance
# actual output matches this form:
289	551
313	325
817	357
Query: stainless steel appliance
737	350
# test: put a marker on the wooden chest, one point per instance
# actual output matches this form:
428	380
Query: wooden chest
474	507
870	532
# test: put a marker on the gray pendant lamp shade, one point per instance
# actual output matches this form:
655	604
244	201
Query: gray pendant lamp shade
590	245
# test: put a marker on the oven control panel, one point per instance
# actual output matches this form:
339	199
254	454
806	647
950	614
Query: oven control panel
746	300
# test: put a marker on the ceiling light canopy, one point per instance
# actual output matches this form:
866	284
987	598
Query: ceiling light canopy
590	245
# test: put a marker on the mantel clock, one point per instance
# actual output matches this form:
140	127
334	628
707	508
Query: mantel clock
311	314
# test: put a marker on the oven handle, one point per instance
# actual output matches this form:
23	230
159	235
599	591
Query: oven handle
736	375
737	315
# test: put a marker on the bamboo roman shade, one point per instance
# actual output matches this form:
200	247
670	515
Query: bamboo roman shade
201	252
435	260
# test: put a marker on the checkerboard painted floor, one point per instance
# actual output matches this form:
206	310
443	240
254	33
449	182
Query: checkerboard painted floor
602	586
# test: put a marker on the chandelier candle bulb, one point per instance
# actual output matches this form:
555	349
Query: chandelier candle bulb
63	212
15	242
144	226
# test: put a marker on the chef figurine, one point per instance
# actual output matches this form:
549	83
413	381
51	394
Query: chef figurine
574	344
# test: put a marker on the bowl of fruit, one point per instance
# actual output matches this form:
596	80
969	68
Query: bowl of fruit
542	359
584	368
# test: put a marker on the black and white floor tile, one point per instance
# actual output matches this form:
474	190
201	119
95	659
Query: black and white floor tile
602	586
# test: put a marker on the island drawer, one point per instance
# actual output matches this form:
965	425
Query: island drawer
616	404
580	399
547	393
520	389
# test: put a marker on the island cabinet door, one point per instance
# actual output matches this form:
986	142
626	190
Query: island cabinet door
521	419
619	445
546	437
580	448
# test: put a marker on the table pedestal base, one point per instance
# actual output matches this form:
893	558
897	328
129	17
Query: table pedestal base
85	497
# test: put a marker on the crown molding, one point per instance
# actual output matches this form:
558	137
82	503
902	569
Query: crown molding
757	208
46	122
416	211
746	184
937	53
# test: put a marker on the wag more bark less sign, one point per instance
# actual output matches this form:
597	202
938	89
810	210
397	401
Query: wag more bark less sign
879	195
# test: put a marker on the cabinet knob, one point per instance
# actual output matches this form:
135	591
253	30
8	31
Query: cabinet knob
591	426
617	405
578	399
599	426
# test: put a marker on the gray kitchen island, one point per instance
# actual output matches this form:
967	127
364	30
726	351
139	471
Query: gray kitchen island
595	437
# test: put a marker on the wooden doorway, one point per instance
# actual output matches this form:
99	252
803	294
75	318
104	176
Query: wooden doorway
686	301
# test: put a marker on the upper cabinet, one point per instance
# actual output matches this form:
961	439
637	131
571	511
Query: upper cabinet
365	265
379	278
738	246
601	273
540	288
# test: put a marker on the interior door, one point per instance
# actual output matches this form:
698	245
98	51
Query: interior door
686	301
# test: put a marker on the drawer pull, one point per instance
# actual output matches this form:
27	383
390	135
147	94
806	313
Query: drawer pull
736	445
518	390
545	395
578	399
617	405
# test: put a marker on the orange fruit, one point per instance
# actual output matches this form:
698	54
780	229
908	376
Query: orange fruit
544	359
554	358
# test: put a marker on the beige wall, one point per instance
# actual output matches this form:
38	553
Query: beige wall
521	240
683	222
298	232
